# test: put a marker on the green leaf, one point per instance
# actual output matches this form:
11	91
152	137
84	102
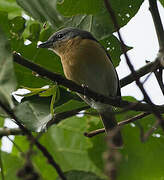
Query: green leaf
95	19
42	10
1	121
49	92
100	23
69	146
70	105
34	32
72	7
34	113
7	75
162	2
11	164
113	48
4	23
80	175
11	7
147	157
17	25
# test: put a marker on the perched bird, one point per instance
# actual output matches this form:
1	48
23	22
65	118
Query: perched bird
87	63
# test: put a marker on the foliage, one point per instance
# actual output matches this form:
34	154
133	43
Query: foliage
22	24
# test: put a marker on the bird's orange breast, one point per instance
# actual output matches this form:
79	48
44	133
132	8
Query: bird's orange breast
86	62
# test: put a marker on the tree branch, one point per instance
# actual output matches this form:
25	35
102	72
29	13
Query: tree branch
159	77
152	66
10	131
130	120
157	22
83	90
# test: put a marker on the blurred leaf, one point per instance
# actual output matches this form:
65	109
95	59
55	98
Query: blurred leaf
4	23
80	175
42	10
1	121
98	142
162	2
46	32
17	25
11	7
34	32
141	160
11	164
7	75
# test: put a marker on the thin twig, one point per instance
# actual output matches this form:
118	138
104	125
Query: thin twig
16	146
141	72
130	120
148	133
133	119
85	91
153	69
31	138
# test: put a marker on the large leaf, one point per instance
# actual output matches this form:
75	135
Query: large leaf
68	146
34	113
99	23
88	15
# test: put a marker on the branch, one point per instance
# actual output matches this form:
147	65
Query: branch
157	22
32	139
152	66
10	131
83	90
139	84
159	77
130	120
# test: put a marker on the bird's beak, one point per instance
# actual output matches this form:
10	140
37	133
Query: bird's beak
46	44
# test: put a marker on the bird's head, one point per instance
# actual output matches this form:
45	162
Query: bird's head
59	41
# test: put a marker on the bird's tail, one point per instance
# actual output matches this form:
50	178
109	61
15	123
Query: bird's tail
110	123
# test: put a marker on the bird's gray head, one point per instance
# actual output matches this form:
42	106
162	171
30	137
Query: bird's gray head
64	35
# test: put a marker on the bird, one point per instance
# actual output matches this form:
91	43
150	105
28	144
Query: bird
86	62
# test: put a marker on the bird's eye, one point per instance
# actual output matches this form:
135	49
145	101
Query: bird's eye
59	36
